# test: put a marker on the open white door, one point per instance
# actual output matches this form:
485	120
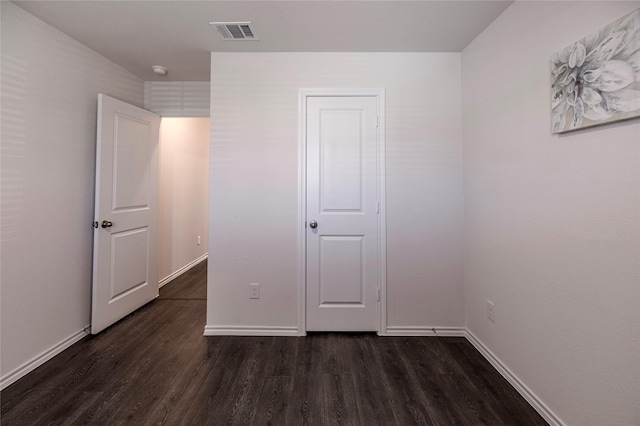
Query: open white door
125	236
342	214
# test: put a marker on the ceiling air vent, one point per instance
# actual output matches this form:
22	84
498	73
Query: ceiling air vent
235	30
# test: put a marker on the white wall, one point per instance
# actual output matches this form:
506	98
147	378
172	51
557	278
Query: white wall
254	182
183	193
552	222
49	94
177	98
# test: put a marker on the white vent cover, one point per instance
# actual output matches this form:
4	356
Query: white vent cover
235	30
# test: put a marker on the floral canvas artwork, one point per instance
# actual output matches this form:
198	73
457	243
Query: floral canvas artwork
596	80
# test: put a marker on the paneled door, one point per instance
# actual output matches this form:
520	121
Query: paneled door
125	229
342	214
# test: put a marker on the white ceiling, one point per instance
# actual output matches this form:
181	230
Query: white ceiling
177	34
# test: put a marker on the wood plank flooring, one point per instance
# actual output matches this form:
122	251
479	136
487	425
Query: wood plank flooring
156	368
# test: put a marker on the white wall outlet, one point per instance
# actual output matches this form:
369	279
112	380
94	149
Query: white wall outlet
254	291
491	311
198	240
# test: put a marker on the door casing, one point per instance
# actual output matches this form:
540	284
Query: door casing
379	94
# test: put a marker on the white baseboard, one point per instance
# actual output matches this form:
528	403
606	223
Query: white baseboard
38	360
522	389
166	280
238	330
424	331
212	330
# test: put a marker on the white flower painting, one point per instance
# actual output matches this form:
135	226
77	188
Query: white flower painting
596	80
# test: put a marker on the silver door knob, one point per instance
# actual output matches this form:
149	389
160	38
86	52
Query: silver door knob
313	224
107	224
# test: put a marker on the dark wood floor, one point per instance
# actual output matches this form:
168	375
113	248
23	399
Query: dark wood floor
155	367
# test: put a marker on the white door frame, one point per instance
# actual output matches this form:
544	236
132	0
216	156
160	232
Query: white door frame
379	94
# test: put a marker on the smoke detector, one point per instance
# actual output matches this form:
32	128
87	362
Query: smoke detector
235	31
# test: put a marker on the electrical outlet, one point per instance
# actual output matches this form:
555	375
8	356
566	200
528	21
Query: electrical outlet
198	240
491	311
254	291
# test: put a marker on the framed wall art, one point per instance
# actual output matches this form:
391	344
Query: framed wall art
596	80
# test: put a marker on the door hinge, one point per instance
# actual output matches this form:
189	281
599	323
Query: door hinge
377	121
377	206
378	294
